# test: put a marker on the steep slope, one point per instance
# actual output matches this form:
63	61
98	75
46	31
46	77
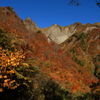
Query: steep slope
38	69
58	33
86	45
30	25
13	22
84	49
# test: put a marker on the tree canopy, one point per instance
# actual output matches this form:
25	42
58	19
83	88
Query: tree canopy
77	3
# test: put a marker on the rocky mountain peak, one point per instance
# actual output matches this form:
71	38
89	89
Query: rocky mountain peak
8	9
55	25
97	24
59	34
30	25
77	23
28	19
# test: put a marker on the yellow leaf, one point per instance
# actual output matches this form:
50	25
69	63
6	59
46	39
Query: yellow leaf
5	76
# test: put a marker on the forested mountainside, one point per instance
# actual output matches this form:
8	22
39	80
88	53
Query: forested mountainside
31	68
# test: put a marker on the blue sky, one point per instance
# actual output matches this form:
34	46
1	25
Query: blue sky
48	12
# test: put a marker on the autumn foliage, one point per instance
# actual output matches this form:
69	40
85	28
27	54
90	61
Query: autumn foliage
8	62
45	71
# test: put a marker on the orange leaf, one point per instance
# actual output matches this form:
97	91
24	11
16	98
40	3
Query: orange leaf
1	76
6	80
1	90
12	81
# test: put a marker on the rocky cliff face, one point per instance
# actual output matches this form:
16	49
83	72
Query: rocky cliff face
30	25
58	33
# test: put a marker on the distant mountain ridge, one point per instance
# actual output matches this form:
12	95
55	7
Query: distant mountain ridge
58	33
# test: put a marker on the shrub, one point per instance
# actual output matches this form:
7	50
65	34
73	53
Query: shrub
39	31
1	31
6	41
69	40
8	61
84	46
82	36
81	63
9	8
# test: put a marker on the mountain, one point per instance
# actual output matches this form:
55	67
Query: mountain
30	25
84	48
12	23
31	67
58	33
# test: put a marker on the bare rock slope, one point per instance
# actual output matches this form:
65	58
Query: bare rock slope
30	25
58	33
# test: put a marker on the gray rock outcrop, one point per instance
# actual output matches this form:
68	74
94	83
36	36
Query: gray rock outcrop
60	34
30	25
